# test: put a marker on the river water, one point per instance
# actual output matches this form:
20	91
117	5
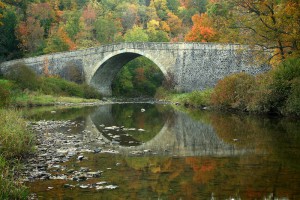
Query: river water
153	151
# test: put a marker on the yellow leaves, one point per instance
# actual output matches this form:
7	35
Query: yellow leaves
165	26
2	6
153	25
175	23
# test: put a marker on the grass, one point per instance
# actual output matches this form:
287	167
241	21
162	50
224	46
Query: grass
9	187
15	139
38	99
16	142
192	99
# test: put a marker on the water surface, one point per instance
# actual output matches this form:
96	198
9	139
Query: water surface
163	153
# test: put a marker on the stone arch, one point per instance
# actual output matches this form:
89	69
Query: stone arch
104	72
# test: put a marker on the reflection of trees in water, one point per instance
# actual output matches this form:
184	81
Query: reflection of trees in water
130	116
246	177
276	136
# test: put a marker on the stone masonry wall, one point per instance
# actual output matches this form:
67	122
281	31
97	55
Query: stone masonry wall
194	66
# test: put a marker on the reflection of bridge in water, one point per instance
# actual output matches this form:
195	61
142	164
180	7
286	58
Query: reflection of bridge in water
180	135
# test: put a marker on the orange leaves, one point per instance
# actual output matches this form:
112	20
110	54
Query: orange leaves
30	33
201	31
64	36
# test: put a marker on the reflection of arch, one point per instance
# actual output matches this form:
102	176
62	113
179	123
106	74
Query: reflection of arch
103	116
182	136
105	71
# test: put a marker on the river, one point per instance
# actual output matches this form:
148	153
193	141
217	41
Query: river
153	151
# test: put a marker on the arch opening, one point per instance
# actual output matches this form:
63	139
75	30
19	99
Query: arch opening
110	75
138	78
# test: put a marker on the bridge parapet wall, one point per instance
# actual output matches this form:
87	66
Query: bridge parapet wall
194	66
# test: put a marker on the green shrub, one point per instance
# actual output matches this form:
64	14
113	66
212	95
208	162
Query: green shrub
161	93
58	86
5	94
194	99
90	92
199	98
282	83
49	86
233	92
23	76
260	101
72	72
293	101
281	86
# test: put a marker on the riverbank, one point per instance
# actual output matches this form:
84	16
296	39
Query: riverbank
33	99
276	92
16	143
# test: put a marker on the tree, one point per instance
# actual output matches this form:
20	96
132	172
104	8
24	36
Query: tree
1	14
271	25
30	33
161	8
123	82
142	15
106	30
200	31
128	15
42	12
72	25
59	41
174	23
173	5
136	34
8	41
154	32
89	16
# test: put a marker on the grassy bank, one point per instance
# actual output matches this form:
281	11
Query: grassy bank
29	99
195	99
22	87
16	142
274	92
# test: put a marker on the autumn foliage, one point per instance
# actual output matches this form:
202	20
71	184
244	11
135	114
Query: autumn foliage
276	91
233	91
201	31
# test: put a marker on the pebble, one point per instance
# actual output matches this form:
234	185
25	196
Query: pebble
101	183
111	187
80	157
84	186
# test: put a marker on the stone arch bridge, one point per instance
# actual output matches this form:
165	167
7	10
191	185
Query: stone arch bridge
191	66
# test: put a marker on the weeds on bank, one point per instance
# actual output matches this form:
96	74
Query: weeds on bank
15	142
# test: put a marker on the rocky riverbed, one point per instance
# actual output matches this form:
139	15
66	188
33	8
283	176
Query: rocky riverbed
56	145
61	142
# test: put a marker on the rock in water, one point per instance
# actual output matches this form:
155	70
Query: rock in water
80	157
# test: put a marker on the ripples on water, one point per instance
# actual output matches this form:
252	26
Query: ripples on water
170	154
